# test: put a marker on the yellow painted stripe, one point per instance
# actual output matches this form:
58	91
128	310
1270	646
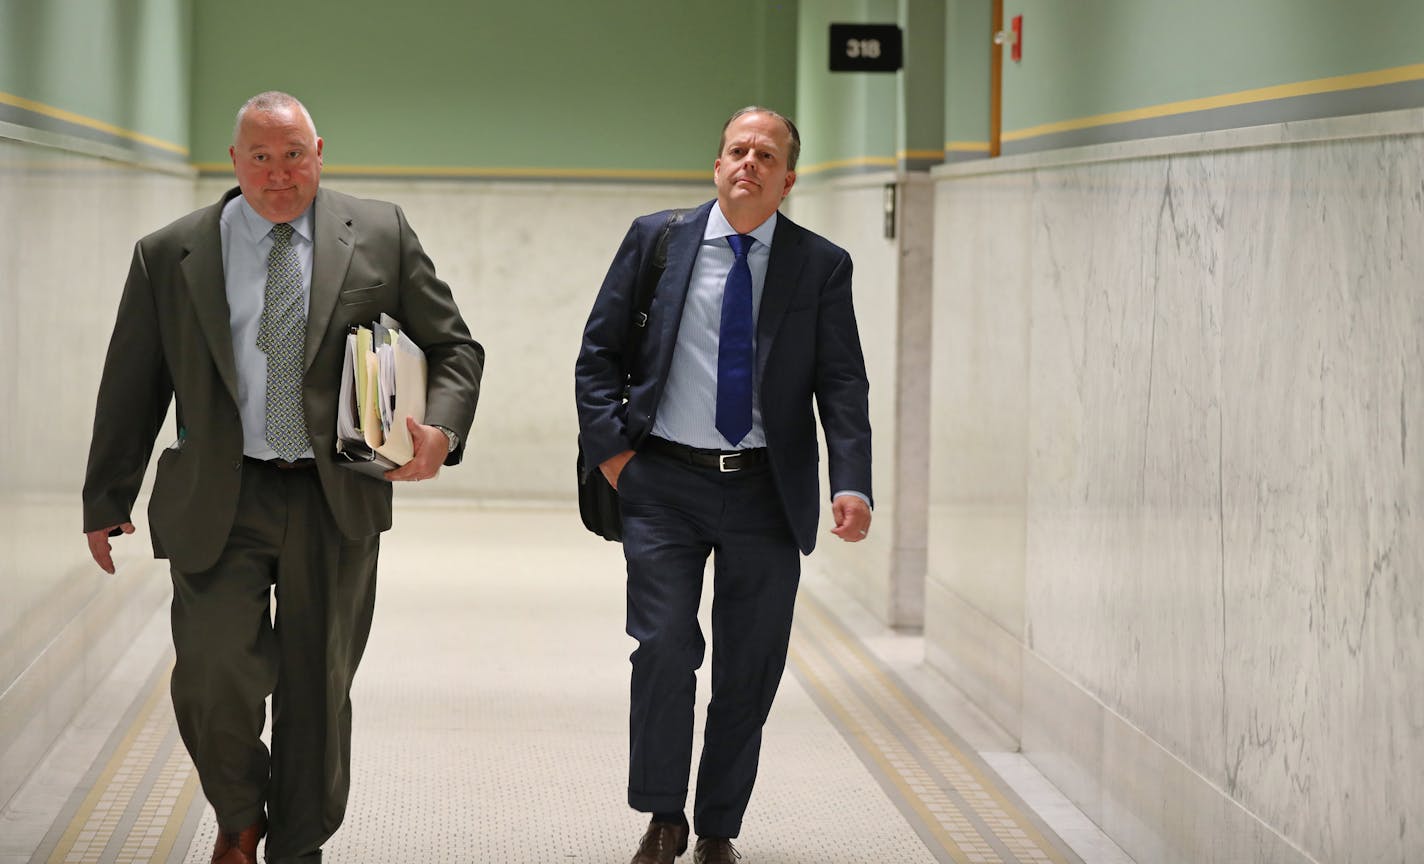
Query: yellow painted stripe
864	661
858	162
101	785
920	154
887	770
853	647
470	172
89	122
174	823
967	146
1396	75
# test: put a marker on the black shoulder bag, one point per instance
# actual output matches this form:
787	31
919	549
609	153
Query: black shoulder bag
598	501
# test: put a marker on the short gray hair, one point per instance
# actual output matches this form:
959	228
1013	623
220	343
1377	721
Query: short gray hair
268	101
795	152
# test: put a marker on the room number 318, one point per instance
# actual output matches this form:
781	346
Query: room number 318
863	48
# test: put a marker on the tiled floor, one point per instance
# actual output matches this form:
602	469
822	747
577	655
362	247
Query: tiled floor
491	726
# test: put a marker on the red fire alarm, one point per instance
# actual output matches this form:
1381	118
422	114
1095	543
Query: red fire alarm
1016	46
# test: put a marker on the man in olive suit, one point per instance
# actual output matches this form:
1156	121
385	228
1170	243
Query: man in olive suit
238	315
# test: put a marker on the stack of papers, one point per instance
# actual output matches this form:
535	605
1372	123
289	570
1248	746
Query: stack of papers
382	383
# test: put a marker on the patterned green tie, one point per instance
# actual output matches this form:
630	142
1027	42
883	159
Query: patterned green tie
281	335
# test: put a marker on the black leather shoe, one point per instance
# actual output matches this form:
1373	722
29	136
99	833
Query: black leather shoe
661	843
715	850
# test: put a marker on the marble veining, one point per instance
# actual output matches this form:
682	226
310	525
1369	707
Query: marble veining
1222	492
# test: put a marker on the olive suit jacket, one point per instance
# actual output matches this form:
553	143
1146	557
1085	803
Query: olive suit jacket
807	351
172	341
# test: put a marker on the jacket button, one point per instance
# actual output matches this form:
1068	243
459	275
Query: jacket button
237	466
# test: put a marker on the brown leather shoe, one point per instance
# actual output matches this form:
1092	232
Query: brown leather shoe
661	843
239	847
715	850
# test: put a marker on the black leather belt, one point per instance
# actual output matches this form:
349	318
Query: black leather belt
283	464
725	461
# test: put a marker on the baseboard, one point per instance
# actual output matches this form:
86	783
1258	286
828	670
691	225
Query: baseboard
1154	805
974	652
46	694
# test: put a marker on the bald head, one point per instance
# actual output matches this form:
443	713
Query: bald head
269	102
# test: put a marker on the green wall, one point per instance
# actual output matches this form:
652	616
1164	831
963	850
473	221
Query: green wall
110	71
1134	61
848	121
635	87
966	111
921	98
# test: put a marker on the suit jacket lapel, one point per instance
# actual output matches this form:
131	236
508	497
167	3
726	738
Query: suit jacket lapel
333	243
684	240
782	272
202	267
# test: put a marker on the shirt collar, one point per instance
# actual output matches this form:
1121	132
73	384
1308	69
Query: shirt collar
258	227
718	226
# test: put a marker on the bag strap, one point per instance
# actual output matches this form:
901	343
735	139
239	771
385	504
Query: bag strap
643	298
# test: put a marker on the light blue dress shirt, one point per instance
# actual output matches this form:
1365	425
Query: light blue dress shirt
688	411
246	240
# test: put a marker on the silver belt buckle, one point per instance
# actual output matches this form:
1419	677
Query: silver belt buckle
722	463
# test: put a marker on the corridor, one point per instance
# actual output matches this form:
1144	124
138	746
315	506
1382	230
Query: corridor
490	717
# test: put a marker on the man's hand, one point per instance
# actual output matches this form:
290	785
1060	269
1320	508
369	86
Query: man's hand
852	516
612	467
431	448
99	547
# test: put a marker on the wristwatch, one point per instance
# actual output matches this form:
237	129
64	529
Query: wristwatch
451	438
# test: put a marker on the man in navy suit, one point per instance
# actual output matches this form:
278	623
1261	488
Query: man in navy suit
714	451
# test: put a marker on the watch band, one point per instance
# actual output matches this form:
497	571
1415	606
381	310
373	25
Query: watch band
452	438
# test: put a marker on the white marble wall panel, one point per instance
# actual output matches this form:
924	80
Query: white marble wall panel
1124	461
974	618
67	230
69	225
1324	350
851	215
1223	621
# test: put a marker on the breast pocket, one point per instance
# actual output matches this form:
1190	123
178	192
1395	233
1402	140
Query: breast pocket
357	296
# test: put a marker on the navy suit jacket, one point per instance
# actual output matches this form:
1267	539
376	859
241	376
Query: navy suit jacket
807	348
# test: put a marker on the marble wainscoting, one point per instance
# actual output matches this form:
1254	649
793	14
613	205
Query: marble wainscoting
892	293
67	238
974	595
67	232
1222	620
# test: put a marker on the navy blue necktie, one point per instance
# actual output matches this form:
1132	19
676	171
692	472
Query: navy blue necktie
734	346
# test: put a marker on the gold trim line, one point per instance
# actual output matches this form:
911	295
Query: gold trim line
80	120
859	161
920	154
1396	75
